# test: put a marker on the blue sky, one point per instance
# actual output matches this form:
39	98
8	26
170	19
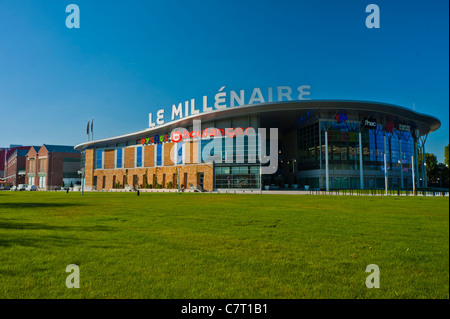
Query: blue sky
133	57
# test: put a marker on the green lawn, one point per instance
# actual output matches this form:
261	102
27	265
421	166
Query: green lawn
165	245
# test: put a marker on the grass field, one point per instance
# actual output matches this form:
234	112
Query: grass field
165	245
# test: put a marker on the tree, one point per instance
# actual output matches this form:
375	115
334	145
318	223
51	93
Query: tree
442	175
431	161
446	155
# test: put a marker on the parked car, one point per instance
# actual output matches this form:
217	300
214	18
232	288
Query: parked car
31	188
13	188
22	187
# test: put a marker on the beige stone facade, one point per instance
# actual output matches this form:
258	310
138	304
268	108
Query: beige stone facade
198	176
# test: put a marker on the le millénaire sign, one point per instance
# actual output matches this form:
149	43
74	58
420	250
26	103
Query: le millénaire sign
223	100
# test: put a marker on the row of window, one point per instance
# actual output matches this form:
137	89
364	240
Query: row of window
41	181
41	165
139	156
234	152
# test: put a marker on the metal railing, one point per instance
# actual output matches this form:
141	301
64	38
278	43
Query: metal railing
381	192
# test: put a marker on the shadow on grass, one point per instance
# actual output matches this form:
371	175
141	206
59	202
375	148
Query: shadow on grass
61	236
39	242
38	226
37	205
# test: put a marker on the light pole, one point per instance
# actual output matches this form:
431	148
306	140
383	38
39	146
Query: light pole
385	175
425	183
413	176
178	179
81	172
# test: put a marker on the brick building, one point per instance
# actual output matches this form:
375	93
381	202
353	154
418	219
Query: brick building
5	153
31	166
2	162
15	165
49	166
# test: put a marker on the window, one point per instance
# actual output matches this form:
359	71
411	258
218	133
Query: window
179	148
139	156
42	182
158	154
31	163
99	159
42	163
119	152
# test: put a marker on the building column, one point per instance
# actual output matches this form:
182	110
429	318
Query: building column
416	163
401	161
361	176
413	177
327	182
385	175
385	165
424	167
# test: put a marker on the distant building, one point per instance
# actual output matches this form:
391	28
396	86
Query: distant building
5	153
15	165
32	165
49	166
2	162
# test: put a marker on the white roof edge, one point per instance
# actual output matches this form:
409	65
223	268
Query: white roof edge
82	146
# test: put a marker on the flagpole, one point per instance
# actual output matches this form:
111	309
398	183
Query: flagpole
87	130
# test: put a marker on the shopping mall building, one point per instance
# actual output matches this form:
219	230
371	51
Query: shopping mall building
323	144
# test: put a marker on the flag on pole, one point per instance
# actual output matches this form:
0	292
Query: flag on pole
92	128
87	129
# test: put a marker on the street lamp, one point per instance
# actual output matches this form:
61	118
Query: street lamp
81	172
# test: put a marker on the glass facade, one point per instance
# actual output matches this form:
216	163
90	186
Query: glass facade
119	158
159	154
308	145
240	150
343	147
243	172
237	177
179	150
139	156
344	155
99	159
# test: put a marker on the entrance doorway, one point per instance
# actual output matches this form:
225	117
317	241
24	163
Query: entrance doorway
200	179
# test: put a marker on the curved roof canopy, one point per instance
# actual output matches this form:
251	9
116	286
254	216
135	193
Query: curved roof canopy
382	111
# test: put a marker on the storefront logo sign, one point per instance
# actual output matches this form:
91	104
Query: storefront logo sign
403	127
157	139
341	118
370	123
